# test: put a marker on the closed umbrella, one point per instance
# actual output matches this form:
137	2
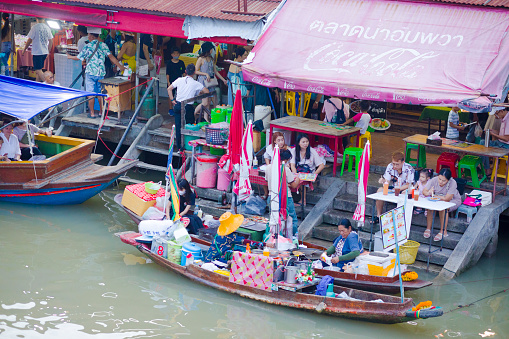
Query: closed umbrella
235	135
363	170
274	192
243	186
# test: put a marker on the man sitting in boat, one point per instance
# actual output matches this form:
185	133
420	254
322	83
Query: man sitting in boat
225	239
10	146
346	247
26	141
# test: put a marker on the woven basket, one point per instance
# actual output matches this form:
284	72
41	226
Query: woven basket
216	136
408	252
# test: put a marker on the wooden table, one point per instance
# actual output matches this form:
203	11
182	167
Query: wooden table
114	86
473	149
316	127
424	203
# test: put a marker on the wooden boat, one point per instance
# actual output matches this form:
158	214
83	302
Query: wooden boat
364	282
69	174
391	310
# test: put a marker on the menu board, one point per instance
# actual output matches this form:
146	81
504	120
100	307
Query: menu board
387	224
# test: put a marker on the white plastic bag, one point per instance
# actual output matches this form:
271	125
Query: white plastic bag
155	227
478	131
152	213
160	202
180	234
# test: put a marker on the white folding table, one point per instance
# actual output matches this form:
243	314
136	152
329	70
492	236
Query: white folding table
423	202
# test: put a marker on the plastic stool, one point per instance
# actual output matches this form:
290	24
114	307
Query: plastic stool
471	163
421	149
448	160
351	152
468	210
502	169
365	136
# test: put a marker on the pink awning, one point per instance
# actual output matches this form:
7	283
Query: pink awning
403	52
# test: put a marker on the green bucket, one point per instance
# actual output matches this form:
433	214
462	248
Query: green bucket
188	138
216	151
217	115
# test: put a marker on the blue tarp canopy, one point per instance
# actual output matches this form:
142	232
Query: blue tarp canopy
25	99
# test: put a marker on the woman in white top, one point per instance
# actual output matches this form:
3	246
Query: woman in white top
279	139
306	159
10	147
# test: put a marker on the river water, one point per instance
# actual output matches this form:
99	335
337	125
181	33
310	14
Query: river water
63	274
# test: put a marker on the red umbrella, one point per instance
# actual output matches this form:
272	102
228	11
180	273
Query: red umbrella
236	131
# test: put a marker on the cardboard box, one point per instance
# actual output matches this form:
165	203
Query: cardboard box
137	200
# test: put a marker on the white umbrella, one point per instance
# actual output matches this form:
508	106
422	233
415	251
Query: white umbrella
363	169
243	186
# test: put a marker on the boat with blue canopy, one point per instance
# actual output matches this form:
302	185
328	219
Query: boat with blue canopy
69	173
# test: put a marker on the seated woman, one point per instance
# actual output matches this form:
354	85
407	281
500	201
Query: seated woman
305	159
21	131
279	139
346	247
187	200
10	146
3	157
446	189
225	239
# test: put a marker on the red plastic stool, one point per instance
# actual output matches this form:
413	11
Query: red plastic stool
448	160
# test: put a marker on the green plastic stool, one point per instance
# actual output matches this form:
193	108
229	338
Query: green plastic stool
471	163
421	162
352	152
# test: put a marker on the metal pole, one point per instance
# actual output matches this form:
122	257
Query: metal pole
156	90
282	103
13	45
133	118
301	104
137	91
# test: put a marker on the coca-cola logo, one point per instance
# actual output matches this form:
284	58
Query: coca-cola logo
343	92
398	97
371	95
262	81
316	89
289	85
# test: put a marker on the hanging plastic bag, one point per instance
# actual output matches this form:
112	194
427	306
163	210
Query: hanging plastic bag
478	131
152	213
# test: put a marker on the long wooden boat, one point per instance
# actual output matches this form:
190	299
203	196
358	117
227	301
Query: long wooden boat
391	310
69	174
364	282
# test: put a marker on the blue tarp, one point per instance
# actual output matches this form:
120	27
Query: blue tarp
25	99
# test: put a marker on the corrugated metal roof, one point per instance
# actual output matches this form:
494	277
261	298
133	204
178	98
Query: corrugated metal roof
202	8
487	3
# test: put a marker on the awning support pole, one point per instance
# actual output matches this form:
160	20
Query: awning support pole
133	118
137	91
301	104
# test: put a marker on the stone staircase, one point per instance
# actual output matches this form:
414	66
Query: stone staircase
344	206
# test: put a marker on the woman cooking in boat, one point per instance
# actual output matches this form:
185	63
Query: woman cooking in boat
346	247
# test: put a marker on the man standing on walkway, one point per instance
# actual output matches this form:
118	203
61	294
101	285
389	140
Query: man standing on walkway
187	88
95	70
40	38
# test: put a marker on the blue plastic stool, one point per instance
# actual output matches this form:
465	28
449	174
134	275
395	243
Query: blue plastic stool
468	210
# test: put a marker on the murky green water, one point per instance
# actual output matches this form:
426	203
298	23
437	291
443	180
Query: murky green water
63	274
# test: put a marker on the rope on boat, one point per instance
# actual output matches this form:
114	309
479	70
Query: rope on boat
476	301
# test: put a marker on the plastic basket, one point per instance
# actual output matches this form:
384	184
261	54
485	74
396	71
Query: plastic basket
216	136
408	252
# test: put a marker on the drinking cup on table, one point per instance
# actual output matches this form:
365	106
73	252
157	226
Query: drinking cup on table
416	195
397	190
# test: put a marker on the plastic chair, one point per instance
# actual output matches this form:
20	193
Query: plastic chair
448	160
352	152
470	211
471	163
365	136
502	169
421	149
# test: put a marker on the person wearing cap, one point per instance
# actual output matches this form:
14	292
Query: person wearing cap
95	69
187	88
225	239
499	138
40	37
